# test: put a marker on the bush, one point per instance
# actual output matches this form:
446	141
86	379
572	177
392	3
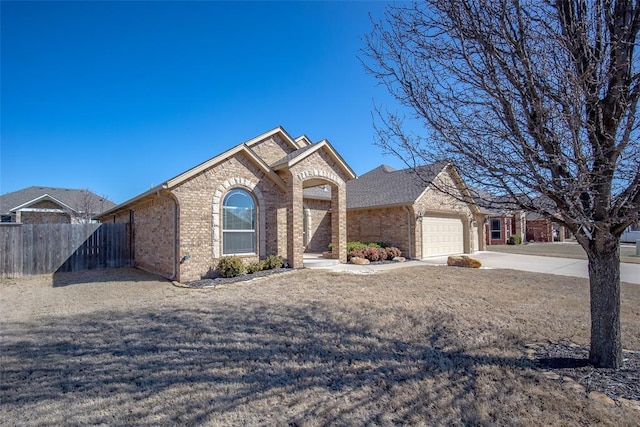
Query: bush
330	247
393	252
230	266
355	246
254	267
515	239
372	251
273	261
355	253
371	254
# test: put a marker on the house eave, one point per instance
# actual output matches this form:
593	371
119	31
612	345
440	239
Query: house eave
242	148
39	199
350	174
293	143
387	206
124	206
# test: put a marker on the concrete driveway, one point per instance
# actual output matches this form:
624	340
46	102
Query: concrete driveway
629	273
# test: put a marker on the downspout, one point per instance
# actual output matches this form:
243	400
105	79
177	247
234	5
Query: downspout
175	232
408	229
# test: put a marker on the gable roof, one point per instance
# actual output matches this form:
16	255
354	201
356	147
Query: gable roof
302	147
69	198
293	143
386	186
304	152
242	148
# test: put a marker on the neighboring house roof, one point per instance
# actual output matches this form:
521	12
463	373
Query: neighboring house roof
73	199
492	205
322	192
386	186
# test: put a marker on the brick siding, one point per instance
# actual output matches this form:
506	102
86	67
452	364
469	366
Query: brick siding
318	221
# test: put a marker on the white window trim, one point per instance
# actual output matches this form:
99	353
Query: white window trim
218	199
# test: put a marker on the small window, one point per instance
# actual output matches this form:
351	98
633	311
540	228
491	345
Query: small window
5	218
495	229
238	223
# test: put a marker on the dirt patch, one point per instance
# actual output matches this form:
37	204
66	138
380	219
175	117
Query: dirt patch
418	345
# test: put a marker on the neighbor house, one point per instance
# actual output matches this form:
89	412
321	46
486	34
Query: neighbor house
249	201
500	225
49	205
406	208
631	234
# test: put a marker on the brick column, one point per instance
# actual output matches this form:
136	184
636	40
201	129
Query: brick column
339	222
295	248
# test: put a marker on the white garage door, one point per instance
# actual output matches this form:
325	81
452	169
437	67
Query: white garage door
442	236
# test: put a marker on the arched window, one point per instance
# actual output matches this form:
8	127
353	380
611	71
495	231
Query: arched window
238	223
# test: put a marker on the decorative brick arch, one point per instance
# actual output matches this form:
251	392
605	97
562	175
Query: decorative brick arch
218	197
329	176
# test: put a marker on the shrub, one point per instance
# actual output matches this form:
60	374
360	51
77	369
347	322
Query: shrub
355	252
330	247
372	251
273	261
515	239
351	246
371	254
230	266
393	252
254	267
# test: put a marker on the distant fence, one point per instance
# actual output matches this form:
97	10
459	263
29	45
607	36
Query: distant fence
30	249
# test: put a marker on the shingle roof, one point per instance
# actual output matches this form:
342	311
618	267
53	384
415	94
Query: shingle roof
322	192
73	198
384	186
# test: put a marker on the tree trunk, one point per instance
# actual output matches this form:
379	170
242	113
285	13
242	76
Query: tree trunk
604	278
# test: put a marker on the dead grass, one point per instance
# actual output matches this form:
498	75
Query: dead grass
422	345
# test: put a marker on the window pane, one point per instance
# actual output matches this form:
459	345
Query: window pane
238	223
495	229
235	218
239	242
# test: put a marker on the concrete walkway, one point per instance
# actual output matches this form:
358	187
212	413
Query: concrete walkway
629	273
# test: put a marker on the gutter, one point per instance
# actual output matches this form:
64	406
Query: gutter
408	229
175	232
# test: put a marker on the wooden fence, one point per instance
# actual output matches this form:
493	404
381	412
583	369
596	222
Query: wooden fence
30	249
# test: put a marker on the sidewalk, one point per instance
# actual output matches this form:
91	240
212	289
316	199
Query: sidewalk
629	273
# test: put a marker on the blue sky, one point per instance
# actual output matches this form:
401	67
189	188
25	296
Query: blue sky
119	96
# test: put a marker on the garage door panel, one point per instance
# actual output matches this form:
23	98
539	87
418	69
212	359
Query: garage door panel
442	236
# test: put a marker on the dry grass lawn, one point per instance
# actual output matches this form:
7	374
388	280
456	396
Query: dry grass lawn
420	346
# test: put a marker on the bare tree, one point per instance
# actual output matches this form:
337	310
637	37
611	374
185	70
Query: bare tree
87	204
532	100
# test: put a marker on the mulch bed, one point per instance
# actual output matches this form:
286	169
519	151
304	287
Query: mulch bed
571	360
218	281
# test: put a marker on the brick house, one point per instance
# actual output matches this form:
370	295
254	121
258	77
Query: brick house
266	196
500	225
51	205
501	218
408	211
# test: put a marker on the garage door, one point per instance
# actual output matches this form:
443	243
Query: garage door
442	236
